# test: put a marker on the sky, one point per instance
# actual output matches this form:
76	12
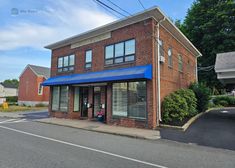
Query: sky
26	26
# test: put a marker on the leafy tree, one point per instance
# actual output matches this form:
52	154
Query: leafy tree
210	25
11	82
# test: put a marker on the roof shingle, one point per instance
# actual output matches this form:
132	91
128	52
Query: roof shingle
42	71
225	61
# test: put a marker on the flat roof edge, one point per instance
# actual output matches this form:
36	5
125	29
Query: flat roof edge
117	24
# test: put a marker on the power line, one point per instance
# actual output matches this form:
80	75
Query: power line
141	4
107	6
119	7
106	9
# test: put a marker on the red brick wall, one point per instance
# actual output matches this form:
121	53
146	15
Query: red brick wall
171	78
28	87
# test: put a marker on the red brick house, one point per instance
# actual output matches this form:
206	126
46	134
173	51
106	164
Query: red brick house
31	92
123	69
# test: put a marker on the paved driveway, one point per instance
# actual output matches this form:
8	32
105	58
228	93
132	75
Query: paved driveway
215	129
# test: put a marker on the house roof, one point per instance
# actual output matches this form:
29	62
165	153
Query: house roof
8	85
225	62
154	13
39	70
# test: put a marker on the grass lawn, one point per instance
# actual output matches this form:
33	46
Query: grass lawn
21	108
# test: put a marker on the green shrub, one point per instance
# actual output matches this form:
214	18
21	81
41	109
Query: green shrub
223	103
220	100
202	94
12	99
232	101
175	108
191	100
40	105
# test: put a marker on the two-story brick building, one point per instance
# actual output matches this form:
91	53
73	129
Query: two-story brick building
124	69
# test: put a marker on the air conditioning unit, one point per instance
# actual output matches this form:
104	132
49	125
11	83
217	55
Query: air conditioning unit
162	59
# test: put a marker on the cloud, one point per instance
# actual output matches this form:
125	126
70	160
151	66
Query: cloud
58	20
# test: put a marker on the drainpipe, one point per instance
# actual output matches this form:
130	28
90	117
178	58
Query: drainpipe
158	90
196	71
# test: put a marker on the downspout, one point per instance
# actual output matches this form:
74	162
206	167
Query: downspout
158	90
196	72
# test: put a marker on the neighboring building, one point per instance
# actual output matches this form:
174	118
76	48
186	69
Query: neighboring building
225	69
114	69
7	90
31	92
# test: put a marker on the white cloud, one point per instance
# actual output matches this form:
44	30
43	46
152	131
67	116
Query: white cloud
58	20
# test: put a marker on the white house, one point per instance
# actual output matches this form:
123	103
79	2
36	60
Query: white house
225	68
7	90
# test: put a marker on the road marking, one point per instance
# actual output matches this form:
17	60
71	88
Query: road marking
7	120
84	147
13	121
224	111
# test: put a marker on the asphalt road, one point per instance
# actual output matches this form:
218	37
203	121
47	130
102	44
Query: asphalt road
35	115
27	144
214	129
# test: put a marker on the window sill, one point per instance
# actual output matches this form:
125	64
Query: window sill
87	69
64	72
132	118
170	67
58	111
118	64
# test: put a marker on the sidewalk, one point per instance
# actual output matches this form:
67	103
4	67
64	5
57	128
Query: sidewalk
100	127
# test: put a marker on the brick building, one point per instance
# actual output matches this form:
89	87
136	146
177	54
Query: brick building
31	92
124	69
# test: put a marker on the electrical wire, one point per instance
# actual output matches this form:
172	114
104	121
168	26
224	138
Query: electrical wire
141	4
119	7
111	12
107	6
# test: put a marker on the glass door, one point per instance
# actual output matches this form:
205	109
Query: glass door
97	101
84	111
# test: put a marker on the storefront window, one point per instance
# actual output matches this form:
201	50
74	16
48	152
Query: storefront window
60	98
137	99
129	99
55	98
120	99
64	98
76	99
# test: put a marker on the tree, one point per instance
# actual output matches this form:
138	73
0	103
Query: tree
210	25
11	82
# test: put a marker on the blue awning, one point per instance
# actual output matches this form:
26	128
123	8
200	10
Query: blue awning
136	72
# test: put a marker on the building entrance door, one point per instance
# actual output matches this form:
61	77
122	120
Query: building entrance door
97	101
84	94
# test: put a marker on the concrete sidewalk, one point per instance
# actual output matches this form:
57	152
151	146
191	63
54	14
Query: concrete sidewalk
100	127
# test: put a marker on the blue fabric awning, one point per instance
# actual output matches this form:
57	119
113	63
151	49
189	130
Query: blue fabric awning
136	72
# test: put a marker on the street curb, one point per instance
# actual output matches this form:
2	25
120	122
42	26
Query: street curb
100	131
188	123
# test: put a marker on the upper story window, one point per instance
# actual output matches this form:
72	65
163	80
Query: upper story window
66	63
161	47
88	59
180	62
120	52
170	62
